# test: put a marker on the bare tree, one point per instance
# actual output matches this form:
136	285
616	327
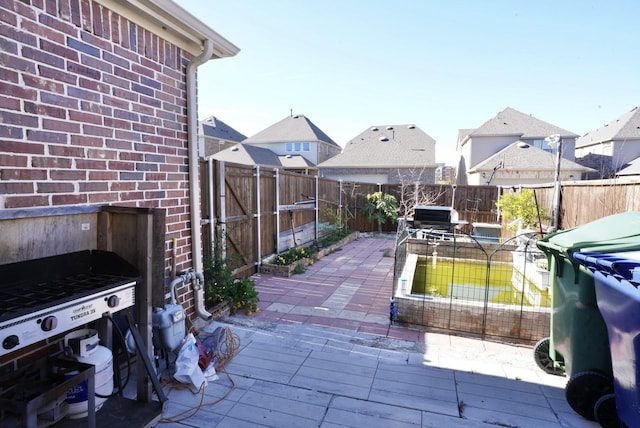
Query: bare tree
414	192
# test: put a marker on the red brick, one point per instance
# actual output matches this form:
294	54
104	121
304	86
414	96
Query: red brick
60	125
90	164
8	17
43	83
24	174
59	75
126	53
101	154
98	29
58	50
102	198
85	15
115	28
51	187
57	24
118	144
97	108
13	188
68	175
144	128
131	196
21	147
47	137
116	81
128	135
44	110
75	12
148	185
123	94
83	94
151	101
94	85
51	162
93	186
122	166
8	75
97	130
86	141
12	33
84	117
103	176
58	100
98	64
117	102
17	63
28	121
9	103
143	71
74	67
67	151
123	186
26	201
18	161
71	199
33	27
116	123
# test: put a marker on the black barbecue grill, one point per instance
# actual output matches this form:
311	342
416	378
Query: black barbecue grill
43	297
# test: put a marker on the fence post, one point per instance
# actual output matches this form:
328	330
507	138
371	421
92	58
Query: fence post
276	176
222	191
258	228
317	212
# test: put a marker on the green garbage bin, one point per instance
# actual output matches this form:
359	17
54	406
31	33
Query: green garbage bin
578	331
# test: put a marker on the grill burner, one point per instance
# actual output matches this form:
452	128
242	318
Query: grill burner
43	297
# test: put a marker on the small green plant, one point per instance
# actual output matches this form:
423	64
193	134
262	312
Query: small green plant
521	206
221	286
291	255
299	269
380	207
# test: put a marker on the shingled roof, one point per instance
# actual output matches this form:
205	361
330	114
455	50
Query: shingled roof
215	128
397	146
625	127
245	154
292	128
521	156
512	122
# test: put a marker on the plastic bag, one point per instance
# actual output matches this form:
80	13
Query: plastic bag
187	369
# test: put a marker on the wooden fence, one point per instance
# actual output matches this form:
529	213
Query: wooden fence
262	211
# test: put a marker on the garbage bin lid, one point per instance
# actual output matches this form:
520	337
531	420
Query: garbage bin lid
616	232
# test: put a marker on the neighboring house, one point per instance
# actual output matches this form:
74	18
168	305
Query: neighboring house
521	163
385	155
611	147
214	135
478	146
631	172
97	109
246	154
295	136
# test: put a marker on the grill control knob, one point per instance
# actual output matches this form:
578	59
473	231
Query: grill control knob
11	342
113	301
49	323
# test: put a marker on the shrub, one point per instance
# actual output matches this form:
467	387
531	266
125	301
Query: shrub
291	255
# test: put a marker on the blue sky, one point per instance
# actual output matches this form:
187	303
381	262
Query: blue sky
441	65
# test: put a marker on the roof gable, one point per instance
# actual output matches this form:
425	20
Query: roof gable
624	127
245	154
522	156
512	122
386	146
215	128
292	128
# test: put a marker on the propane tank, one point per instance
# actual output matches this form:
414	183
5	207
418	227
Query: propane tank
83	346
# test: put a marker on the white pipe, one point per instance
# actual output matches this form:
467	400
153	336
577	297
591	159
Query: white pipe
194	179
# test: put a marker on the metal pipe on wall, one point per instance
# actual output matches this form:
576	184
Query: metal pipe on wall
194	182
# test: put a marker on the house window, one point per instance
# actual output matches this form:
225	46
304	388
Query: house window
297	145
289	147
542	145
305	147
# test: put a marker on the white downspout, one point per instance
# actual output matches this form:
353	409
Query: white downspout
194	179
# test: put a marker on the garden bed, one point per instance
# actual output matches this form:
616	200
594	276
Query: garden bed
287	270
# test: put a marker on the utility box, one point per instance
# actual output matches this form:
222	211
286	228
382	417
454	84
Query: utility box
169	325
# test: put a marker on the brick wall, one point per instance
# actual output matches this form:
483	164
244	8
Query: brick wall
92	111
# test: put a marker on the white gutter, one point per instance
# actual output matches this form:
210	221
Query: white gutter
194	179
